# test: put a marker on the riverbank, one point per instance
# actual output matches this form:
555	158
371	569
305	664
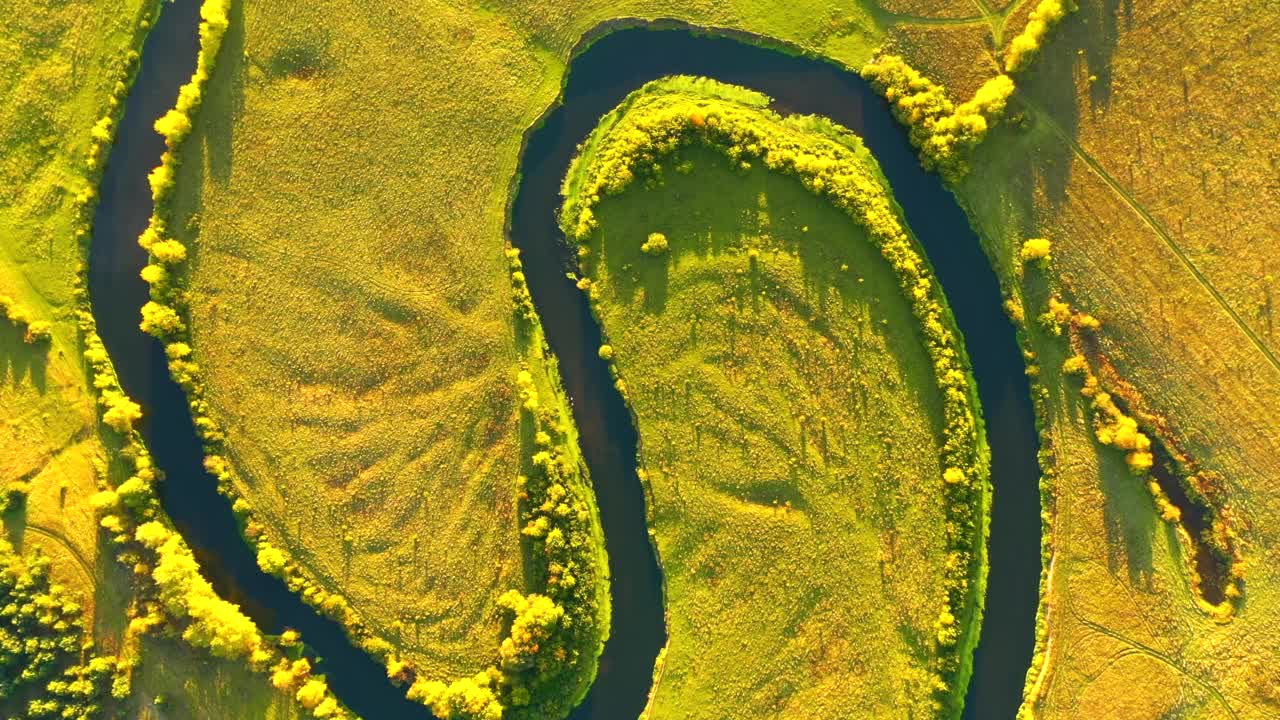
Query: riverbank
763	447
620	63
606	664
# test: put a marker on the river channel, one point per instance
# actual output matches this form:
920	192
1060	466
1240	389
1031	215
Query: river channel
600	76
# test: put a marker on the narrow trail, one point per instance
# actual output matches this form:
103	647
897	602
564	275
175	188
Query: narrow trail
993	19
1150	652
893	18
1123	193
70	547
996	19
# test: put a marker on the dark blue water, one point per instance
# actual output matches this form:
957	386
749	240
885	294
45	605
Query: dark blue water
189	495
600	77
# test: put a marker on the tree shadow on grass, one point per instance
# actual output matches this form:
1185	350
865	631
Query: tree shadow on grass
1025	154
210	154
224	98
113	591
733	212
15	522
699	219
736	238
1129	519
20	361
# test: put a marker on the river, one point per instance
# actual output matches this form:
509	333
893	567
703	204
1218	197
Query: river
600	77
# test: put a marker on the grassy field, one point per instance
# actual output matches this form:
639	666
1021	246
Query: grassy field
58	68
174	684
349	294
63	67
1143	149
791	422
349	298
59	65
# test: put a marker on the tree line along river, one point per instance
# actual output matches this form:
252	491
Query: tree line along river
601	75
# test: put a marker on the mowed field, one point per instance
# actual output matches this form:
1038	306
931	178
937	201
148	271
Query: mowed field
1142	145
344	197
791	434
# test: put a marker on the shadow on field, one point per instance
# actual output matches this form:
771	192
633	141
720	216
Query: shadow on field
224	99
1099	43
112	592
21	361
742	210
14	522
211	154
1129	521
736	238
1080	54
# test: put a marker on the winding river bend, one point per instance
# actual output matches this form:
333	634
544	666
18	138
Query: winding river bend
601	75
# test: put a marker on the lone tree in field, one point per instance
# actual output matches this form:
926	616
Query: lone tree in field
655	245
1037	250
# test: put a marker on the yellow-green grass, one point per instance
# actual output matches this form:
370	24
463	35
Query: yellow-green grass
59	65
958	49
1119	586
790	419
446	121
349	302
173	683
1156	197
558	615
63	67
59	69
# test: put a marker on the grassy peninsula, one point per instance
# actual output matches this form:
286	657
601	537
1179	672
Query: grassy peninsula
811	438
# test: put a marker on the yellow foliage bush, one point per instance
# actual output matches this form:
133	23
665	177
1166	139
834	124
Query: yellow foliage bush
312	693
470	698
214	623
1036	249
1026	45
944	133
1075	365
655	244
160	320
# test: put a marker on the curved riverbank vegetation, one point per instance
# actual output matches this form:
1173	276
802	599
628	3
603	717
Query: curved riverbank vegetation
87	607
809	424
1193	502
358	380
945	133
1187	497
547	659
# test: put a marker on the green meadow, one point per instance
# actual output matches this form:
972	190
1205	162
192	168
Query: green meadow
792	423
73	595
372	383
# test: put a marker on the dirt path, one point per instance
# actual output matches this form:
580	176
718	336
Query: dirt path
62	540
1128	198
